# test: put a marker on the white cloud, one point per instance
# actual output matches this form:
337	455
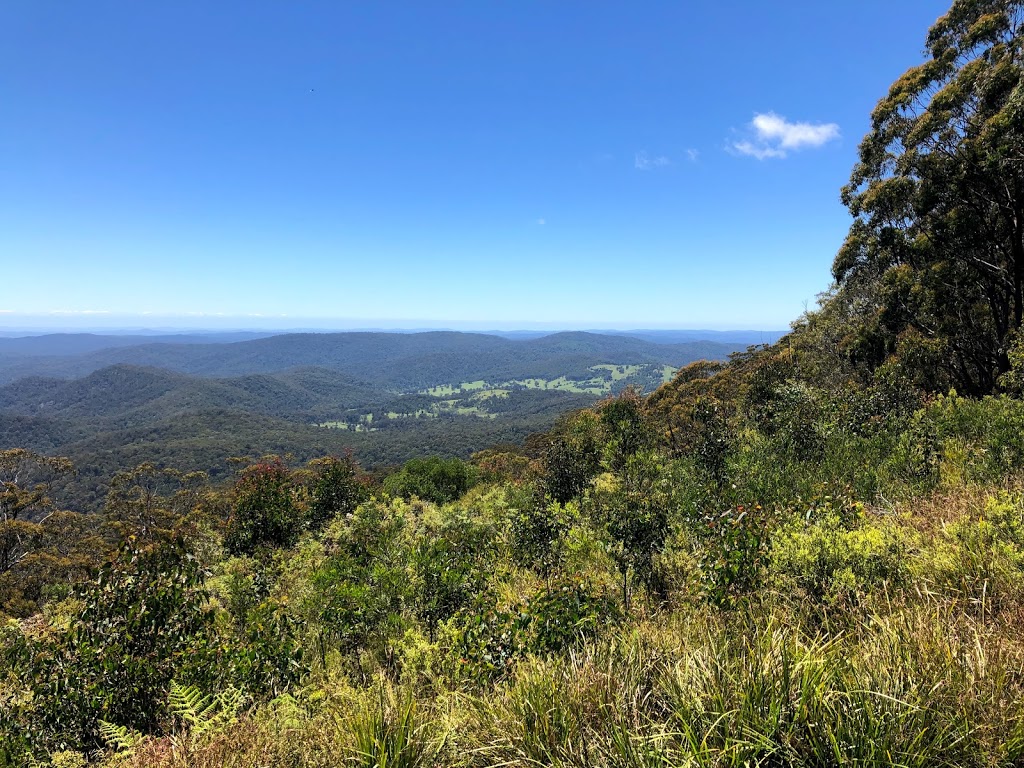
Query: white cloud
693	154
542	222
774	136
643	161
761	153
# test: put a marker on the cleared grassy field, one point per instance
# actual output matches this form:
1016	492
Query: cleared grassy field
604	382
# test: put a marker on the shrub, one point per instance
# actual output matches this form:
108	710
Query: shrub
432	479
836	560
732	552
336	489
491	639
141	621
264	514
979	557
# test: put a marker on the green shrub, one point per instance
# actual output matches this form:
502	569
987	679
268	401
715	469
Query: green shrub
451	563
489	639
432	479
980	440
361	590
979	558
140	625
732	552
336	489
264	514
836	560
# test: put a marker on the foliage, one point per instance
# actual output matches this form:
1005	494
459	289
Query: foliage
151	503
490	639
24	507
626	429
361	589
538	530
572	457
632	511
978	558
263	658
840	556
264	513
137	626
499	466
203	713
932	271
120	738
389	732
734	546
337	489
452	564
432	479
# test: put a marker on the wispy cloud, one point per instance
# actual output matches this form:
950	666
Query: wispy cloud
644	161
541	222
79	312
774	136
760	152
693	155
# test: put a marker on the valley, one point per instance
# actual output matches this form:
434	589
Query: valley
192	401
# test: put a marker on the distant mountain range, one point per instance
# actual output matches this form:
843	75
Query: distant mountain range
194	400
394	360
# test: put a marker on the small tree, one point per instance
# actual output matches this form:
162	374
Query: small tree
627	430
572	457
633	512
264	514
336	489
432	479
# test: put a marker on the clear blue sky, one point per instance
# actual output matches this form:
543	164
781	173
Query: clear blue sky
463	164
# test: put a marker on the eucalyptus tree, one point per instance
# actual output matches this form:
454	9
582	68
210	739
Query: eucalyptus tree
931	274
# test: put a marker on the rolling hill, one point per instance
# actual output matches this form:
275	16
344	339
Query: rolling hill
188	402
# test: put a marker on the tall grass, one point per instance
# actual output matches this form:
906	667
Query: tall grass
906	690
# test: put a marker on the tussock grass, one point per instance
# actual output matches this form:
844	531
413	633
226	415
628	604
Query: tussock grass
907	689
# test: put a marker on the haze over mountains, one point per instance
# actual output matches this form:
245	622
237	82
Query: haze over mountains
389	359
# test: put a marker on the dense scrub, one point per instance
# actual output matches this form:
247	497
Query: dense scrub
797	582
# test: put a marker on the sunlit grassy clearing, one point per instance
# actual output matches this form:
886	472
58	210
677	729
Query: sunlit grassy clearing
445	390
619	372
599	385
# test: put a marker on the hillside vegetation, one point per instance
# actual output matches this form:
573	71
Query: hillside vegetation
194	405
811	555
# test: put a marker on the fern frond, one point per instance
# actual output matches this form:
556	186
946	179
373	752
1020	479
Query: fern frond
120	738
288	712
202	713
188	703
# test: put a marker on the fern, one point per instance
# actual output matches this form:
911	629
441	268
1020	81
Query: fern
122	739
203	713
288	713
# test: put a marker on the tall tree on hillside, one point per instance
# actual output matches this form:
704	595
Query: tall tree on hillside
932	271
24	500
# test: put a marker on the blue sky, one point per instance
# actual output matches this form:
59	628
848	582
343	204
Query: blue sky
461	164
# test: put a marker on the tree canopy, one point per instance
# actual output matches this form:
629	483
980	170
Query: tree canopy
931	275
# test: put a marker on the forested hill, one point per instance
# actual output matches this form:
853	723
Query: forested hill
63	344
398	361
190	404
